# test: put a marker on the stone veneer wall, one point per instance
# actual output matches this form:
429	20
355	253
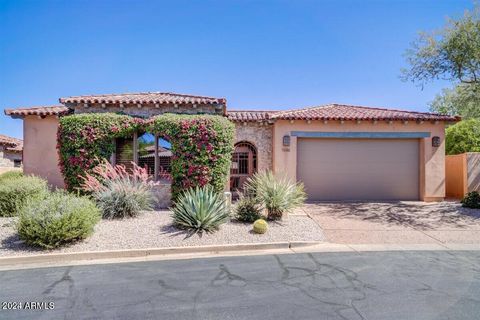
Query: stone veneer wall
163	194
7	157
150	110
260	135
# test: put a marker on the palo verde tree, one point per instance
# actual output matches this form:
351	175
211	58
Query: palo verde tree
453	54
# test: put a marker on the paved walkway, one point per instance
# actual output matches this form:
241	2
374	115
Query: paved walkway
397	223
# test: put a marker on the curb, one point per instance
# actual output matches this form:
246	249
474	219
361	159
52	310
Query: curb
142	253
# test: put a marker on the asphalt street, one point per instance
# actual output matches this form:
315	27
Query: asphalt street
371	285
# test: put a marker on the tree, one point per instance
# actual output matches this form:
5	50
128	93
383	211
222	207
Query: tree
463	137
451	53
463	100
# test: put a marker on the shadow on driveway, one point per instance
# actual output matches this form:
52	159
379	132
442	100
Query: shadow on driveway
419	215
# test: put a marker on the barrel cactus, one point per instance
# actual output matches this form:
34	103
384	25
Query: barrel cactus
260	226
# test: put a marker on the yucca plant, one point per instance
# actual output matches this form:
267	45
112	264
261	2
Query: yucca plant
278	194
200	209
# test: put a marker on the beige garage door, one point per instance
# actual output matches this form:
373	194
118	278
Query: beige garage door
359	169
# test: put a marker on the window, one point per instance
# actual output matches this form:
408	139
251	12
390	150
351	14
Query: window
143	153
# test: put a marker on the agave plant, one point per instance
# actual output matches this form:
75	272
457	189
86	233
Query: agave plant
278	194
200	209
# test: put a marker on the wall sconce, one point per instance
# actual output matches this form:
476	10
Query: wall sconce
286	141
436	142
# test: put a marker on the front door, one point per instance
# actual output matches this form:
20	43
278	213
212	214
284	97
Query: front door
244	165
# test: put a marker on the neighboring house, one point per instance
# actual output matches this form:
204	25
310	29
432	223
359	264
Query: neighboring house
339	152
10	152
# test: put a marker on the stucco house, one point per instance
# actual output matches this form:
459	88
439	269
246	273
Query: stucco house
10	153
339	152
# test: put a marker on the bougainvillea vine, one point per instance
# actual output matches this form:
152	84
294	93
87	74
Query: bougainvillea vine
201	145
83	140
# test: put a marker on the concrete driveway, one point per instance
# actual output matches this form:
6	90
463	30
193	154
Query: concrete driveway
441	223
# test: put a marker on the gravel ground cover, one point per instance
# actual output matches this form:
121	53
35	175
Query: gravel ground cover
154	229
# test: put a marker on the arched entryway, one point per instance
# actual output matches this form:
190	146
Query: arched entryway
244	165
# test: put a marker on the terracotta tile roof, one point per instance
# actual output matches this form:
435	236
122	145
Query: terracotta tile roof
152	148
144	97
249	115
12	144
348	112
39	111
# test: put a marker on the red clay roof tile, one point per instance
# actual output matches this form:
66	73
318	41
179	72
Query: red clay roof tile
144	97
38	111
349	112
249	115
12	144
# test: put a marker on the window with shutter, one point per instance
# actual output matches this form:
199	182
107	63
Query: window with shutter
124	152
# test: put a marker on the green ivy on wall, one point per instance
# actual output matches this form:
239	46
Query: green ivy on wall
83	140
201	145
201	149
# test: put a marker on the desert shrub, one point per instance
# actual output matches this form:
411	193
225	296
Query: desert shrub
248	209
260	226
56	219
278	194
119	194
471	200
201	149
15	191
14	174
463	137
200	209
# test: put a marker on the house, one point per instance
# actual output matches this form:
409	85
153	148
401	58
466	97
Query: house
10	153
339	152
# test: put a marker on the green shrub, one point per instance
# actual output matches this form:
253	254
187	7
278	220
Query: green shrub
124	198
119	193
279	195
15	191
201	146
463	137
248	209
57	219
260	226
14	174
471	200
200	209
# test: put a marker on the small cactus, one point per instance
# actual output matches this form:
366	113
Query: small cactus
260	226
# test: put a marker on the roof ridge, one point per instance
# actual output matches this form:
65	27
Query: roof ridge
141	93
38	107
283	112
387	109
250	110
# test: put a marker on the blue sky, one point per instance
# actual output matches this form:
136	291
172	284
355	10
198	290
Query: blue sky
257	54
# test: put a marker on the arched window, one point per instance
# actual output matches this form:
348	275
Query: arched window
244	164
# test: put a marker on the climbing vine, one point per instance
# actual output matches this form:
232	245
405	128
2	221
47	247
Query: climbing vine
201	145
201	149
83	140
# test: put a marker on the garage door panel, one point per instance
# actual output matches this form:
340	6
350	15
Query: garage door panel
359	169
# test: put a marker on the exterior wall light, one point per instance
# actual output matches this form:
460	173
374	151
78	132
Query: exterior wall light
286	141
436	142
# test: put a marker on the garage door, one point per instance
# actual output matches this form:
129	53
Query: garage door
359	169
